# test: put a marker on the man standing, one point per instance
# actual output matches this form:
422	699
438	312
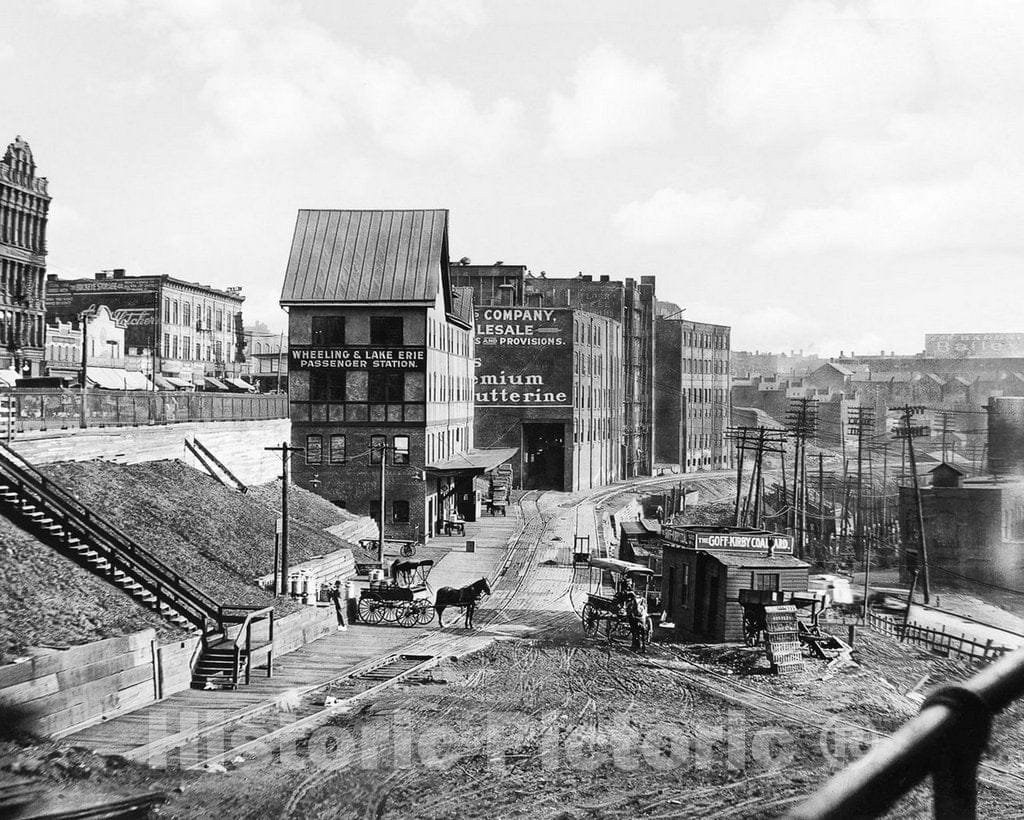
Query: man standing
339	597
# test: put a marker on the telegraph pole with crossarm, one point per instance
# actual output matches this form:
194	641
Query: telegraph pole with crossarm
286	450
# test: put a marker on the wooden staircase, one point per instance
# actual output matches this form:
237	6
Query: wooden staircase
61	521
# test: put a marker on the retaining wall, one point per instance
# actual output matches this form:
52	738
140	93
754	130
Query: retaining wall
68	690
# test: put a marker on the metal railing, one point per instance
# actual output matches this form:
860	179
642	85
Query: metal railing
945	740
41	410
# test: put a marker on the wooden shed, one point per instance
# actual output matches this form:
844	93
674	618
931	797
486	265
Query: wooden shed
703	575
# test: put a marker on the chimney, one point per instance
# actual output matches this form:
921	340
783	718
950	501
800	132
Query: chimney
101	275
588	278
119	273
605	278
51	277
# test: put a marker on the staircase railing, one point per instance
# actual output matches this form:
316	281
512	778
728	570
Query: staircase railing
267	648
945	740
122	551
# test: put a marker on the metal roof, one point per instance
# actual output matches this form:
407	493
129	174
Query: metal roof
366	256
473	461
624	567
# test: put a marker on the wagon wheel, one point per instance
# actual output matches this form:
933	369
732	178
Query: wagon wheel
370	611
407	615
591	620
426	613
389	611
750	628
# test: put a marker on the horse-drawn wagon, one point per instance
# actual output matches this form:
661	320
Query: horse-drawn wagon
625	611
402	599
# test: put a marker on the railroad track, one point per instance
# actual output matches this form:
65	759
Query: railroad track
273	722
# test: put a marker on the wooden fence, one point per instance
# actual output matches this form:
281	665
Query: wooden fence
937	640
32	410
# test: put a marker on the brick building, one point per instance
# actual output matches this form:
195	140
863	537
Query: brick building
380	350
24	206
630	305
186	331
692	394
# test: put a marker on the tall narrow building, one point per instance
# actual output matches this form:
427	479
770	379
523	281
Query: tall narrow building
24	203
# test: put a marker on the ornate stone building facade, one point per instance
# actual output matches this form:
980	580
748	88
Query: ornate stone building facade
24	203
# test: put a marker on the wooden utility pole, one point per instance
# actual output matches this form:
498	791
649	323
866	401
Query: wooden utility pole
286	451
802	419
380	540
908	431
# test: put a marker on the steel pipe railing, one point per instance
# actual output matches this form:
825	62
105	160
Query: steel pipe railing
946	740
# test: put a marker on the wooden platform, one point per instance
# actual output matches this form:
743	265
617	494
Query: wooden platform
193	710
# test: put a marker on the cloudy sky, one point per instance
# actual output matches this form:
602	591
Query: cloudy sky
820	176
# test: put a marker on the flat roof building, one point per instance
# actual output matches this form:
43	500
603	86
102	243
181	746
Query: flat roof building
24	211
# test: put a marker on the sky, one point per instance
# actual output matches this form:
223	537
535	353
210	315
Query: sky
819	176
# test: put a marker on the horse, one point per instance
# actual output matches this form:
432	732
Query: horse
464	598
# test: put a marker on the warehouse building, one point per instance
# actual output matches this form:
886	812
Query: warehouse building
381	351
692	393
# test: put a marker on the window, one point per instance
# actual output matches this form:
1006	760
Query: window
167	309
684	586
174	313
328	331
186	346
209	318
400	511
377	444
220	320
167	344
186	314
314	449
337	449
327	386
767	580
401	454
174	347
218	350
199	352
386	387
386	330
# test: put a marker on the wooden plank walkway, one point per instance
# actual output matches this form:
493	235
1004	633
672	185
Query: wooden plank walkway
320	661
194	709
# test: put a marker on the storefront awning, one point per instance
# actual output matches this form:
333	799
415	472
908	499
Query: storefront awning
107	378
474	461
161	382
133	380
8	377
178	384
210	383
240	384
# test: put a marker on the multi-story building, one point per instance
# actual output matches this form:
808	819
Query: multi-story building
24	204
267	357
629	304
692	394
549	382
188	330
380	350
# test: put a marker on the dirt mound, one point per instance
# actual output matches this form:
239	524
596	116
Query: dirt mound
48	600
219	538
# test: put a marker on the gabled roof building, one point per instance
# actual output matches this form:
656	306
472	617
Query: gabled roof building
380	351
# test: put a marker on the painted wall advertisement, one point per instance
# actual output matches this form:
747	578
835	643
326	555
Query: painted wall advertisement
974	345
524	357
132	304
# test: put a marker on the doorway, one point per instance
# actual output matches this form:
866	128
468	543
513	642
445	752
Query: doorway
543	456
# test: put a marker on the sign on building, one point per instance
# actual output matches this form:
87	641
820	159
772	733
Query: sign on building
761	542
524	357
974	345
307	357
132	302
